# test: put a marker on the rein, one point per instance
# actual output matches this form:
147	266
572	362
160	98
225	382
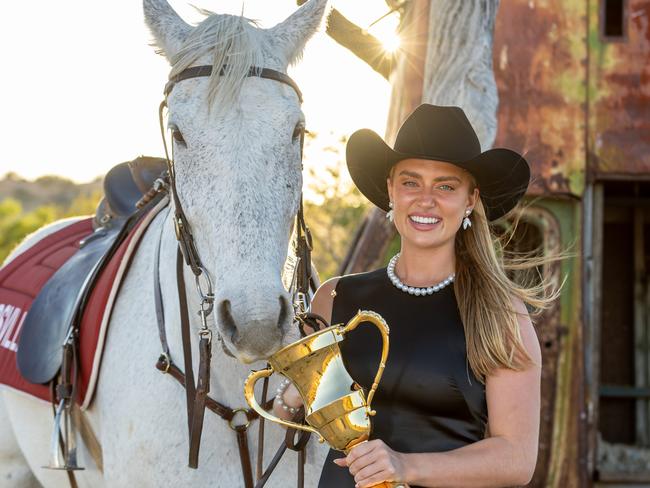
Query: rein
197	394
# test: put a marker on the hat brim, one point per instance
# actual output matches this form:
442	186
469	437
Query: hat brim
502	175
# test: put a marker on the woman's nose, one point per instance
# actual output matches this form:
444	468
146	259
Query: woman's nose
427	198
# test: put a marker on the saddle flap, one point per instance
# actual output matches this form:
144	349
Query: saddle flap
54	309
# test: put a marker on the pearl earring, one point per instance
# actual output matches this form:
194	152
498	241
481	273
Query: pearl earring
389	214
466	222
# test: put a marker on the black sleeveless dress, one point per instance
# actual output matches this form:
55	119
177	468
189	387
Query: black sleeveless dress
428	399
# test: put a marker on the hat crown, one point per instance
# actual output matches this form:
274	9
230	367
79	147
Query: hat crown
440	133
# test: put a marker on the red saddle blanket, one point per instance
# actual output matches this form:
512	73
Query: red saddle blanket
22	279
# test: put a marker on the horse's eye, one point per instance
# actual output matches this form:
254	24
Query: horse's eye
298	131
177	135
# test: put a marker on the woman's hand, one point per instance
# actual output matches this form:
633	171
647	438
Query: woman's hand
373	462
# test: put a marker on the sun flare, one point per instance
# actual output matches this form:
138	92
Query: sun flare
391	42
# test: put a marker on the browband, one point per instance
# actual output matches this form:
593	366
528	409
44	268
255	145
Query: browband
203	71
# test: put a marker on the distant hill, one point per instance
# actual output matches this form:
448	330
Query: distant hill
46	190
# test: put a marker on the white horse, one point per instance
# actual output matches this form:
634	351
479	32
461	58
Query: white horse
239	181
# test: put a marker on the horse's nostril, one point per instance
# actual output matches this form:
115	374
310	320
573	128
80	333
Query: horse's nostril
284	311
226	320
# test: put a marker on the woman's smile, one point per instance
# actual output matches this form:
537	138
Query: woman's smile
424	222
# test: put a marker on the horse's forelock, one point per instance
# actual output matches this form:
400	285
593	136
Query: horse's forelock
229	40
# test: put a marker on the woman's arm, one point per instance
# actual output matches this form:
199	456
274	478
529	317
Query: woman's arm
321	304
506	458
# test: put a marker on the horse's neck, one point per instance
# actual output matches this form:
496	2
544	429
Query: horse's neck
227	373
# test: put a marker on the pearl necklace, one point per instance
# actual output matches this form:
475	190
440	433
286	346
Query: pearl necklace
414	290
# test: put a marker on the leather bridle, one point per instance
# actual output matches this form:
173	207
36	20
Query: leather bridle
197	394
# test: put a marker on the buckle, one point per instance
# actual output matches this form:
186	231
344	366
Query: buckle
234	414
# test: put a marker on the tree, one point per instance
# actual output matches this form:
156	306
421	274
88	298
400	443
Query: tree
334	208
16	223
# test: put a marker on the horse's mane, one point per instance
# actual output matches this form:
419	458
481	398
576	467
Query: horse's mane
232	40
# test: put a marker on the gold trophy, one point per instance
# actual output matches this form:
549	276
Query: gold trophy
336	408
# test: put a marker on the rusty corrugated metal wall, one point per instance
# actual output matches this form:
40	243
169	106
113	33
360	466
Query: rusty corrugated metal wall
577	103
540	64
619	95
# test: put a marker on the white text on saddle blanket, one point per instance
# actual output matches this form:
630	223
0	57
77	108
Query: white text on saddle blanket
239	181
11	320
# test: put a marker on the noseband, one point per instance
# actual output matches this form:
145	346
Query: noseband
197	394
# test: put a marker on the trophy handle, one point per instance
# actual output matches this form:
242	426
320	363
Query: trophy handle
380	323
249	393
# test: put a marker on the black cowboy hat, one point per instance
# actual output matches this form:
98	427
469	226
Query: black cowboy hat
440	134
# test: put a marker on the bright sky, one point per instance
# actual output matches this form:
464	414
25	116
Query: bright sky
81	86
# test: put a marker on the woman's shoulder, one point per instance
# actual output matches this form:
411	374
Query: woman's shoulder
323	300
354	283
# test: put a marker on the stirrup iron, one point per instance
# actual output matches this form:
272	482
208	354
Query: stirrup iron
63	446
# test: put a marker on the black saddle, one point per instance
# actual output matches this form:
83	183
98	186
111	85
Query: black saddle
125	184
59	306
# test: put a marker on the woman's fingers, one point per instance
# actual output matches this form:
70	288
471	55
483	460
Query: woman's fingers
372	471
372	480
357	457
370	463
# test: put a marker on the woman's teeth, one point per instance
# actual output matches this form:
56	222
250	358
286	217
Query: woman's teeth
423	220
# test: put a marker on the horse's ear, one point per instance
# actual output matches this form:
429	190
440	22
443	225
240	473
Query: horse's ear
292	34
167	27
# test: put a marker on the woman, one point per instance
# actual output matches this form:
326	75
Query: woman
459	402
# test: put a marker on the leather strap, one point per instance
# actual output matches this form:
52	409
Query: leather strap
289	443
211	404
272	465
244	455
260	433
181	225
206	71
302	459
195	396
187	345
202	390
158	299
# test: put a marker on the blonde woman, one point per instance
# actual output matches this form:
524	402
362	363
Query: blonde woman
459	402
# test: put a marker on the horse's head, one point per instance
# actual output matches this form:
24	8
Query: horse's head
236	146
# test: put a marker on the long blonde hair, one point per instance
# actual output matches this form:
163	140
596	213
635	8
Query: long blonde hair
484	292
